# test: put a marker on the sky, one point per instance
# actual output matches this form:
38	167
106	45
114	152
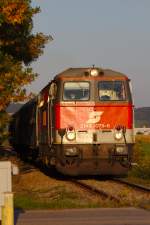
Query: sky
112	34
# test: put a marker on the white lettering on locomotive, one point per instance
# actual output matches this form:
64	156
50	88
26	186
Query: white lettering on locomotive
95	126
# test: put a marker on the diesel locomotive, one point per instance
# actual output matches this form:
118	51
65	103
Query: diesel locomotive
81	123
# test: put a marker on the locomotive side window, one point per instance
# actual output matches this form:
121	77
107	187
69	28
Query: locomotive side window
74	91
111	91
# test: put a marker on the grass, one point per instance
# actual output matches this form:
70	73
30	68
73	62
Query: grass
143	138
35	190
61	200
146	148
142	158
24	202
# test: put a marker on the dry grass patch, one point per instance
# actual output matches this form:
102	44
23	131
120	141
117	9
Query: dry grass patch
143	138
36	190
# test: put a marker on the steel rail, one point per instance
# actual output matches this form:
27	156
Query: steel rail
6	148
95	190
137	186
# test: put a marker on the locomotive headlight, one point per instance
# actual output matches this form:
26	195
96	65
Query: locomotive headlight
118	135
94	72
72	151
121	150
70	133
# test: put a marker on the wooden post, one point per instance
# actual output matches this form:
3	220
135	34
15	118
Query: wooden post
8	209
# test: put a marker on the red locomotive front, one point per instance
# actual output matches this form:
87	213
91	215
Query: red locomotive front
93	122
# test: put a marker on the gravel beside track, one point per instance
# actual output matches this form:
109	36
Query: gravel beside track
97	191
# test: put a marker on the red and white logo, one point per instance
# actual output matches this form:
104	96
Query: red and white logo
94	117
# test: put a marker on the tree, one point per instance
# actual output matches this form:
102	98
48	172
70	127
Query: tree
18	48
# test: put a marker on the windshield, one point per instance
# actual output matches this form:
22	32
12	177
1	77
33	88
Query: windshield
76	91
111	91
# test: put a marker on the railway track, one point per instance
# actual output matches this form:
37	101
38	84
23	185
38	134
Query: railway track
93	190
104	189
117	190
5	147
133	185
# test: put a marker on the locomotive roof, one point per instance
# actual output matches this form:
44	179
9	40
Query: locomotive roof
80	72
75	72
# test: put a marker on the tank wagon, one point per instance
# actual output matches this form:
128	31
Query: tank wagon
81	123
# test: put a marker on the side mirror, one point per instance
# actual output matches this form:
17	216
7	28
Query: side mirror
52	90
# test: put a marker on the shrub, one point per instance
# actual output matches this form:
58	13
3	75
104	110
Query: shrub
142	157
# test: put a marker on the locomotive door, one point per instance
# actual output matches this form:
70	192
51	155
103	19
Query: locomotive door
52	95
45	115
42	119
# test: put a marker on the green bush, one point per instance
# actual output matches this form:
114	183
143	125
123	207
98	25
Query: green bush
141	156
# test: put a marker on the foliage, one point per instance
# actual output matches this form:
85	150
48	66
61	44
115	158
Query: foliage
143	138
142	158
4	119
18	48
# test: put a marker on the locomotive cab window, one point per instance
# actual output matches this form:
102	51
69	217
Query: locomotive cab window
111	91
76	91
